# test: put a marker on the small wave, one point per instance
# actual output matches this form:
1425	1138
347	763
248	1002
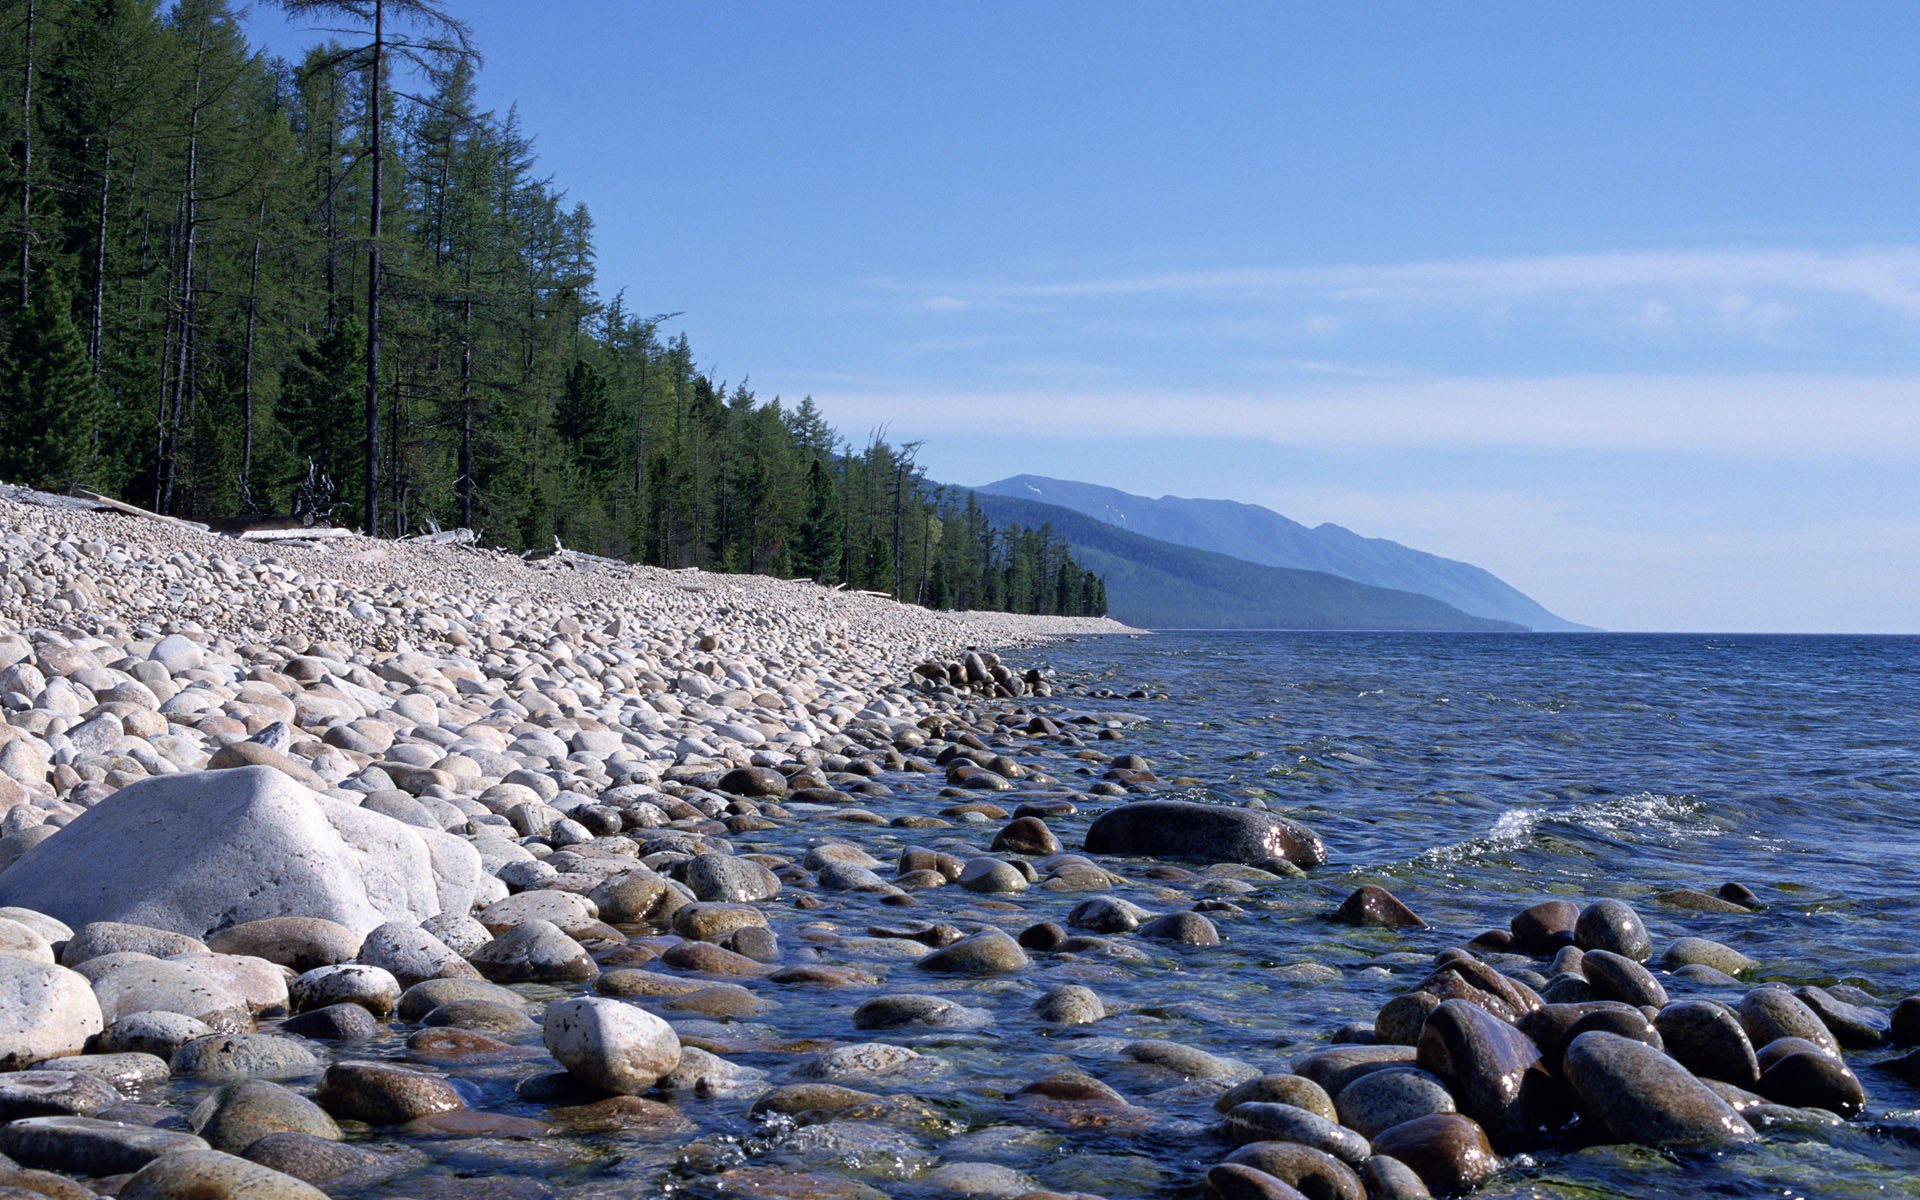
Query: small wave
1643	817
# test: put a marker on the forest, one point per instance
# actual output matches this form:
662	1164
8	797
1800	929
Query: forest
338	288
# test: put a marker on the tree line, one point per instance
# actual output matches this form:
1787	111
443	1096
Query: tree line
331	287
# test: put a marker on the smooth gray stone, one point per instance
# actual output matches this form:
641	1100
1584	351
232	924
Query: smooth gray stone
1641	1095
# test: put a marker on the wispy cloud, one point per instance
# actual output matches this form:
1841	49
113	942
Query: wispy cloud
1793	416
1886	276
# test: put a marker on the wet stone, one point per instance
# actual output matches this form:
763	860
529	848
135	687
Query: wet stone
1493	1070
1376	1102
1545	927
1639	1094
894	1012
86	1146
1238	1181
334	1023
1698	951
1070	1004
985	953
1182	929
42	1093
1376	907
1771	1013
1854	1026
325	1163
1447	1151
1296	1090
1708	1040
234	1117
1617	977
1265	1121
383	1094
1314	1173
1813	1079
1613	925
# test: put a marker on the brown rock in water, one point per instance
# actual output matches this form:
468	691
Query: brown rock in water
1447	1151
1493	1070
1376	907
1812	1078
1707	1039
1205	832
1641	1095
1545	927
1026	835
1237	1181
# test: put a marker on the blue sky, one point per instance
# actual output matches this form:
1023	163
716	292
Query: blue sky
1619	301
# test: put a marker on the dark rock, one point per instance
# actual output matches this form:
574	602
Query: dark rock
1551	1026
1447	1151
1494	1071
1854	1026
1390	1179
1042	937
1613	925
1182	928
1906	1022
1236	1181
1026	835
1617	977
1336	1067
1316	1174
1771	1013
384	1094
1263	1121
1639	1094
1545	927
1203	832
1378	1101
1813	1079
1707	1039
334	1023
1376	907
86	1146
1296	1090
753	782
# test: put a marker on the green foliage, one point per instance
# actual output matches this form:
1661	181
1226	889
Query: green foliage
198	332
49	410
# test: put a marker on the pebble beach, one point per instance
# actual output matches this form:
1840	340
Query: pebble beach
364	868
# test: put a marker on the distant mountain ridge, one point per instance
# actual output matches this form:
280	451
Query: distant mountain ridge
1160	585
1260	535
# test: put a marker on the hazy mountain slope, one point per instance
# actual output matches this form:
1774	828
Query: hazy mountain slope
1260	535
1161	585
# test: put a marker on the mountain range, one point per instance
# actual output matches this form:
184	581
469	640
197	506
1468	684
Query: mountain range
1174	562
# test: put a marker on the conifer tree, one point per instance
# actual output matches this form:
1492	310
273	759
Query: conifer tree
48	409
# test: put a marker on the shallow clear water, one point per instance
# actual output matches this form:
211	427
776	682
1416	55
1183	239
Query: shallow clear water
1474	775
1471	775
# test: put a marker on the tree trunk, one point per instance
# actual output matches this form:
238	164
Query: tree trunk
371	482
183	350
246	375
97	323
465	482
26	172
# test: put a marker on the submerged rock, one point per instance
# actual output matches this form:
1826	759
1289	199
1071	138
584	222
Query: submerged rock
1203	832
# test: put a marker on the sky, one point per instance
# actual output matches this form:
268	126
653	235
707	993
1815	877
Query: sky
1620	301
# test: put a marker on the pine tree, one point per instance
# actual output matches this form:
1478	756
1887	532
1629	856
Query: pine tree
819	554
49	408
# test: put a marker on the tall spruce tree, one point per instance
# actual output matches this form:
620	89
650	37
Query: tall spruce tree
48	407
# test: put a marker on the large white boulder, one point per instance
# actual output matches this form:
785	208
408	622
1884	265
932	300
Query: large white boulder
200	851
45	1012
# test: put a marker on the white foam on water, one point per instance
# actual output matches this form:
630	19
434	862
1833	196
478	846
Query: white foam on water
1642	817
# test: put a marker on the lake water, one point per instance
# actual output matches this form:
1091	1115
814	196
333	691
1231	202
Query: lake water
1475	775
